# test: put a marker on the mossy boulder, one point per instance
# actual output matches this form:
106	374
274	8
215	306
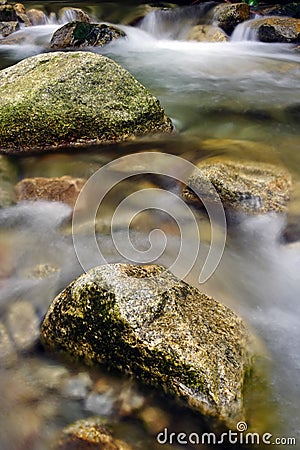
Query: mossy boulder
277	29
64	99
228	15
145	321
247	186
78	34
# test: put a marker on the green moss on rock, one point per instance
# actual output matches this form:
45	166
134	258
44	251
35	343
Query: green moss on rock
82	34
144	321
62	99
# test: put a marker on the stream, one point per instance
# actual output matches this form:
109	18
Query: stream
221	97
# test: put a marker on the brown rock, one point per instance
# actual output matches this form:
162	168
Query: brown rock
64	189
90	434
19	8
21	14
36	17
6	28
206	33
277	29
70	14
227	16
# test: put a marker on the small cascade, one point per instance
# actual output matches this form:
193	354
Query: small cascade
244	32
174	23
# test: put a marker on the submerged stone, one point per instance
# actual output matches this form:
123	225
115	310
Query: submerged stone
63	99
206	33
82	34
144	321
247	186
64	189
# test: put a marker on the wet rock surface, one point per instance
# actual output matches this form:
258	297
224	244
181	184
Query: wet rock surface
6	28
246	186
65	189
36	16
277	29
7	13
227	16
206	33
90	434
73	99
143	320
68	14
82	34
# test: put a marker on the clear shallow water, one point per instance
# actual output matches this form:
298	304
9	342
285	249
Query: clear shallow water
238	90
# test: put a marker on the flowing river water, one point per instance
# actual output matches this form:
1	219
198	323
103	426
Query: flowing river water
221	97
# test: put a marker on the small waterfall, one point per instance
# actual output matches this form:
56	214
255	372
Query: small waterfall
69	15
173	23
244	32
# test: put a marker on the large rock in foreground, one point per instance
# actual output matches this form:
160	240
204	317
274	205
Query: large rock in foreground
145	321
62	99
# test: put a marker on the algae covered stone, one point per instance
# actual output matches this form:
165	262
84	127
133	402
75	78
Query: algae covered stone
145	321
61	99
78	34
243	185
